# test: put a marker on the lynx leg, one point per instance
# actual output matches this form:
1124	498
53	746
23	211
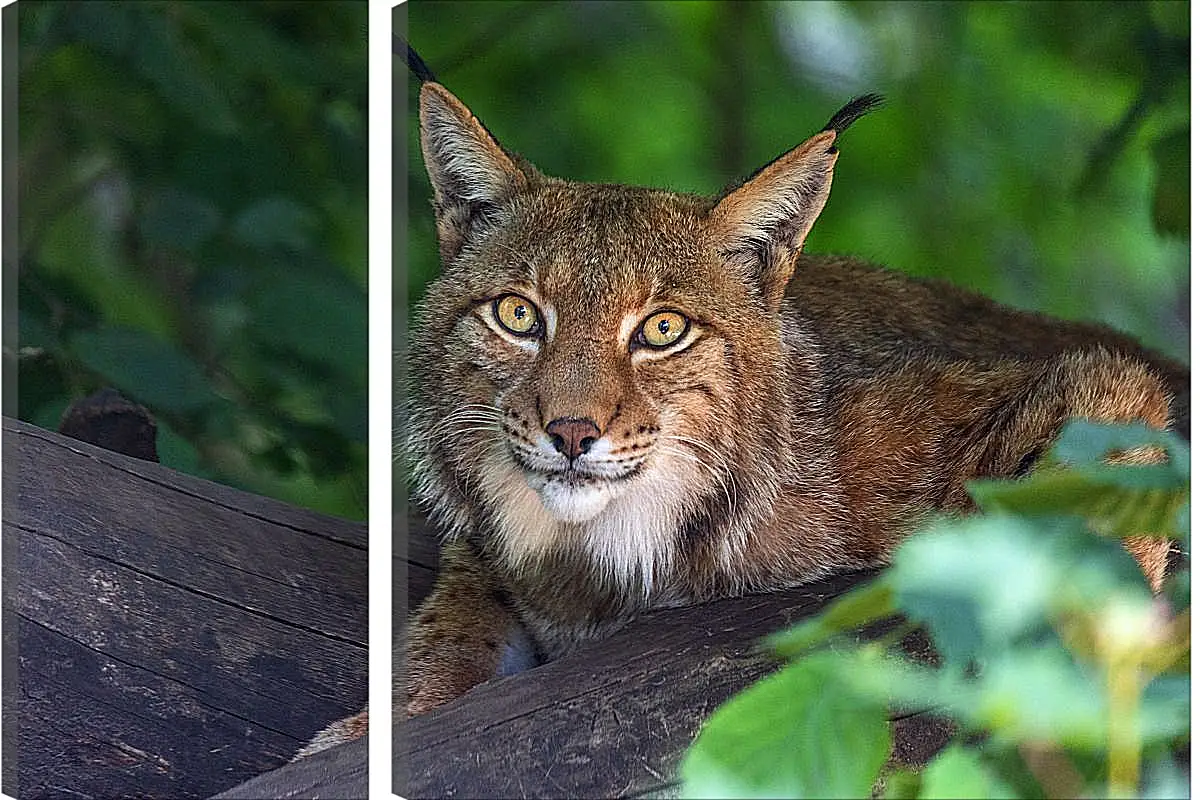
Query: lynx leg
1103	387
456	639
1153	555
1115	389
344	730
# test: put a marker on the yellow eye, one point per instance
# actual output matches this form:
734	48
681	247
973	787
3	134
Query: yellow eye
663	328
517	314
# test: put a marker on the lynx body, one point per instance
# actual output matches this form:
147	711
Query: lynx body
624	398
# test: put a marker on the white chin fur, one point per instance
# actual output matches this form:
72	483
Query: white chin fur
571	503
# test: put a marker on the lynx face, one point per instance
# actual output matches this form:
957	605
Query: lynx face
598	369
601	356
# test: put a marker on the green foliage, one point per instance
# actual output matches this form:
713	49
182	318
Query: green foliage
959	773
757	746
192	231
1064	675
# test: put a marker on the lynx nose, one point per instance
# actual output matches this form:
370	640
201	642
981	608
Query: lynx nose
573	436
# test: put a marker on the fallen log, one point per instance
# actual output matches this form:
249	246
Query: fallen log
172	637
613	718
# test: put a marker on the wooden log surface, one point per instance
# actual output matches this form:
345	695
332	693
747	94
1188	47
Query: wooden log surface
613	718
173	637
339	772
609	720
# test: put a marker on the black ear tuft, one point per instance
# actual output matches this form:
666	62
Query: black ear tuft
415	63
848	113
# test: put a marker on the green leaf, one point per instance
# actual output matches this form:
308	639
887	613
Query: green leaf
161	57
1172	186
1165	708
1117	501
1041	694
1037	691
320	317
903	784
85	256
145	368
969	579
1083	442
863	604
980	584
802	732
176	452
34	330
1165	781
180	219
276	221
1178	589
959	773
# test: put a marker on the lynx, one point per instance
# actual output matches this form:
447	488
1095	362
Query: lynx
624	399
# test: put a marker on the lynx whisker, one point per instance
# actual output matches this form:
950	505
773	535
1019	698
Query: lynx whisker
460	417
465	420
719	470
482	407
456	423
471	463
454	433
719	477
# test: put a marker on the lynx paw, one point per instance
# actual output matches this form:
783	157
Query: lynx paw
344	730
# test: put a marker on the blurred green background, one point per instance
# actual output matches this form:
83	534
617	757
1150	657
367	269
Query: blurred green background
192	200
1036	152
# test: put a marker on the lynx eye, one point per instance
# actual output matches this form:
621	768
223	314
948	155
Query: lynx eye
663	328
517	314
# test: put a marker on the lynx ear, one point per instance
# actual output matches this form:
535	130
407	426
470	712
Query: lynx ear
470	172
762	224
